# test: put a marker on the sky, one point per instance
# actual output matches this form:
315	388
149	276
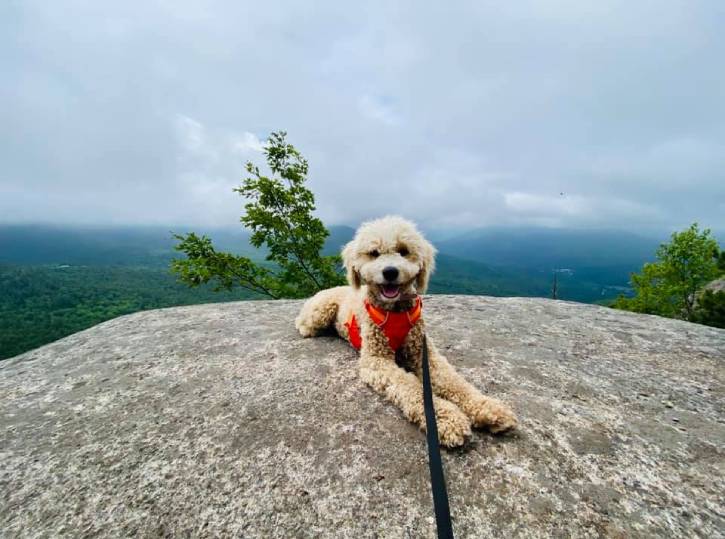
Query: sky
607	114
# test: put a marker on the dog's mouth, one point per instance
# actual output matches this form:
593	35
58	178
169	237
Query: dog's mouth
390	291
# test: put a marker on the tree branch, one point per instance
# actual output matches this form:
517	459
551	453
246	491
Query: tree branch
250	283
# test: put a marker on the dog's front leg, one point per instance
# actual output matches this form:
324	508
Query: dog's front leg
405	391
483	411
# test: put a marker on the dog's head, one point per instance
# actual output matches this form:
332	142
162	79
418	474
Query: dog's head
391	257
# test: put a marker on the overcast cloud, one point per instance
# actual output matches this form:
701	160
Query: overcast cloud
556	113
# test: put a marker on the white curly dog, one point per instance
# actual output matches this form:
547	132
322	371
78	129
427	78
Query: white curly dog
388	265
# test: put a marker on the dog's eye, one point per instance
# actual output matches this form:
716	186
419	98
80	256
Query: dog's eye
403	251
375	253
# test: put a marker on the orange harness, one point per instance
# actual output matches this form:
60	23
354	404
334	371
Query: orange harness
395	325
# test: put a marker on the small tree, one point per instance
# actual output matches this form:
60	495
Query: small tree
279	214
669	286
720	257
710	309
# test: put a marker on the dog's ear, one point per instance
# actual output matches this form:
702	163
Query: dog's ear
427	266
348	254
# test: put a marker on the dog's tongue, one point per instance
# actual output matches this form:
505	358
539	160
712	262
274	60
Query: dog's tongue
390	290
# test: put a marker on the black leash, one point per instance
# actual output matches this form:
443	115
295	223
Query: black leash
437	479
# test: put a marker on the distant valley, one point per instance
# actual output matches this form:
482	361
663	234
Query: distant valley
59	280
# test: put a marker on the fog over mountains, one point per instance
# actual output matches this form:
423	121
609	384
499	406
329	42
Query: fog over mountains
494	261
515	247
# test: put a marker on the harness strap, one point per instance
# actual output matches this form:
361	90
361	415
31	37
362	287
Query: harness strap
437	479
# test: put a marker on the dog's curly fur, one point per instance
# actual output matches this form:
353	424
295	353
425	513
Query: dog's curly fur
382	244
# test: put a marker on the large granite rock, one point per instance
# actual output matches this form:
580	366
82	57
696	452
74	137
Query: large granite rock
219	420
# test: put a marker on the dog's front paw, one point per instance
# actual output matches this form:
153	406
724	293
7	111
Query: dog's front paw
305	329
494	415
454	427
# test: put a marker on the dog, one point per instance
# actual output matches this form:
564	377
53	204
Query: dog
388	265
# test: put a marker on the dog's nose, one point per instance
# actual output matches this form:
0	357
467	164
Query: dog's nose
390	273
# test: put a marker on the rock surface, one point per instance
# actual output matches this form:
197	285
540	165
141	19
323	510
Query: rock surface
219	420
718	285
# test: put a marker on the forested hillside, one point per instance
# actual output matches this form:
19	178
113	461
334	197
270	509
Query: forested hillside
39	304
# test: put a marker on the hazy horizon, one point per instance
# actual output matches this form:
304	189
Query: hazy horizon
438	231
